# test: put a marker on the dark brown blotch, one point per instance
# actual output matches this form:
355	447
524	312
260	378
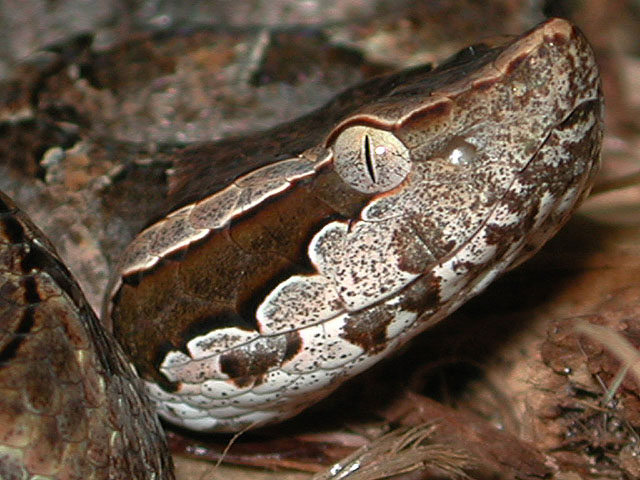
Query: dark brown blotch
11	348
423	294
560	39
31	293
515	63
368	329
236	364
294	345
246	368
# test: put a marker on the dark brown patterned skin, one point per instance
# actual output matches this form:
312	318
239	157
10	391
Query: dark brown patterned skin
71	407
355	227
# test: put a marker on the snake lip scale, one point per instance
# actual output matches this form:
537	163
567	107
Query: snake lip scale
293	259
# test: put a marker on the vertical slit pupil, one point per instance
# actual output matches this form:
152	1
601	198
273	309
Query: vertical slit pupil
368	158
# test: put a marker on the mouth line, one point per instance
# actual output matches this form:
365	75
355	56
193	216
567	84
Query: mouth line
500	201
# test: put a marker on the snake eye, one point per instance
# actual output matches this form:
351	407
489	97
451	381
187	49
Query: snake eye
371	160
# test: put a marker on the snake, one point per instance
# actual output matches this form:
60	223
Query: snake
292	259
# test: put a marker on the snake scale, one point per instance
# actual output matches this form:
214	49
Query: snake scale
293	259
